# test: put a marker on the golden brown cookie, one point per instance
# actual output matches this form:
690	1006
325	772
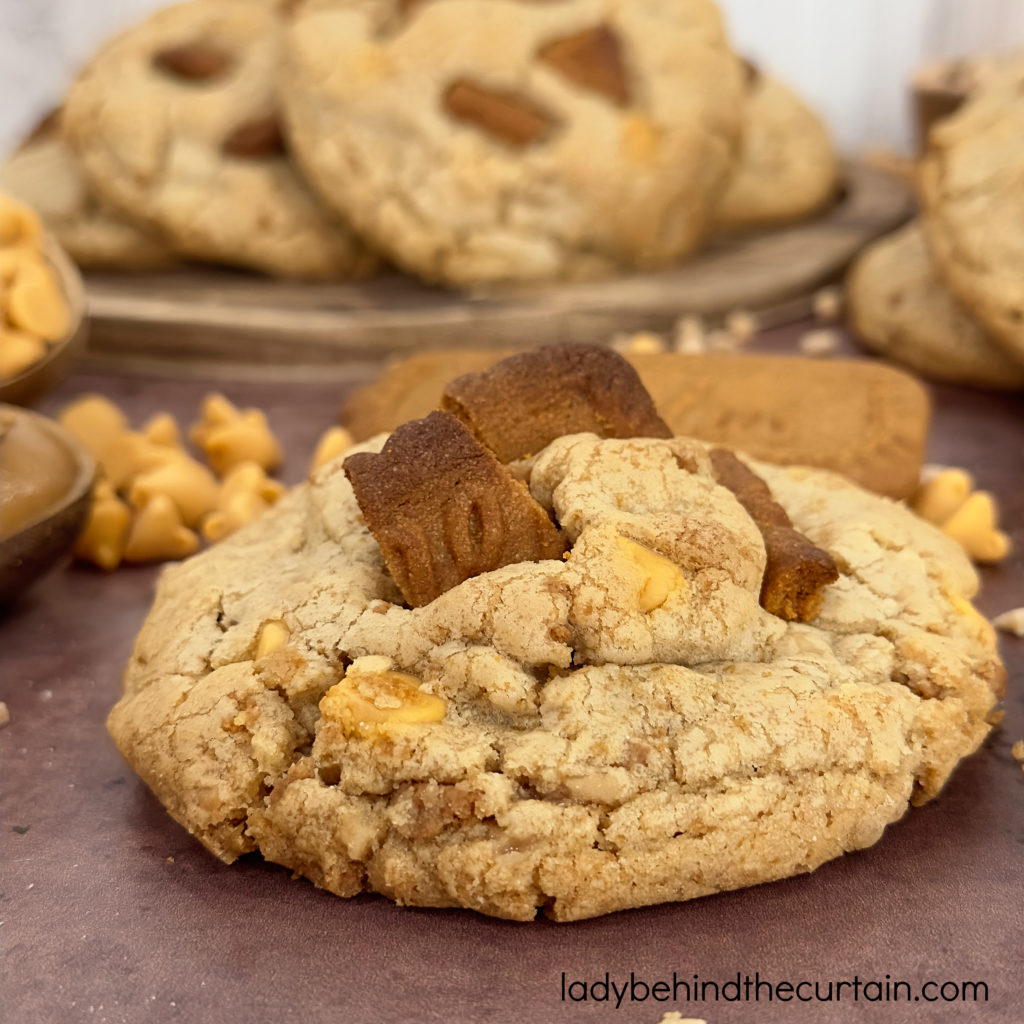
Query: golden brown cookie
769	406
482	140
175	122
971	184
901	309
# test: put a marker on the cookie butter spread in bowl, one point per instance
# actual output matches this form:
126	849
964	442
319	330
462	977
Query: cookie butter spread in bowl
532	653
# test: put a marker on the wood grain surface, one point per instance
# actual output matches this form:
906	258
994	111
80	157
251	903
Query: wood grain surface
205	316
112	913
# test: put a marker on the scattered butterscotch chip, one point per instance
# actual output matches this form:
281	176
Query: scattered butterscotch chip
947	498
102	541
333	442
244	495
506	116
188	484
659	577
1011	621
162	429
444	509
797	571
591	59
158	533
196	61
230	436
821	342
258	137
523	403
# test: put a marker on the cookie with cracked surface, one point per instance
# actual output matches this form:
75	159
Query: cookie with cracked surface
622	727
45	173
510	140
175	123
787	168
900	308
971	186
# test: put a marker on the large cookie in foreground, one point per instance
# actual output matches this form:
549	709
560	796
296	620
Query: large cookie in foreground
622	727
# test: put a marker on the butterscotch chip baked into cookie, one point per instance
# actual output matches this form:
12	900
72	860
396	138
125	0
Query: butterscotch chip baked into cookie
484	140
175	122
620	726
900	308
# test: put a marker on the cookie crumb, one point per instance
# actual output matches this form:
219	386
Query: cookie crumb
688	336
827	303
674	1017
1018	750
821	342
170	860
741	325
995	717
5	715
1011	621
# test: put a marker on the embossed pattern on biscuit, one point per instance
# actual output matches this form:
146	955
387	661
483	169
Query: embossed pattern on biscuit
443	509
523	403
797	571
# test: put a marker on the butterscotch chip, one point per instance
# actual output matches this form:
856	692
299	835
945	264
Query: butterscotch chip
443	509
797	571
523	403
196	61
593	60
505	115
255	138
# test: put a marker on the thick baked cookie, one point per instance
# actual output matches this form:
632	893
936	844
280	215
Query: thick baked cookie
900	308
45	173
175	122
622	726
787	167
971	184
483	140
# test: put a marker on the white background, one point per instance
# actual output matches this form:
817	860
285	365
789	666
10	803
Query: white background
850	58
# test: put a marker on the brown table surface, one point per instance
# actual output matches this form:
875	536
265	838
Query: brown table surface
111	912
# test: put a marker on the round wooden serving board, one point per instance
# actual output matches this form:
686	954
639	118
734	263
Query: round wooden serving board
220	318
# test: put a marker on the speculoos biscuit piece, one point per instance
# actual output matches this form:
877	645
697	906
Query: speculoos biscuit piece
521	404
797	571
443	509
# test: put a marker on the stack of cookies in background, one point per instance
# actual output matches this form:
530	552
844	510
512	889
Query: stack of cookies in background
462	142
945	294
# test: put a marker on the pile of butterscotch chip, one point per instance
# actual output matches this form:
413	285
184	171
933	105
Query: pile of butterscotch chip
35	310
464	141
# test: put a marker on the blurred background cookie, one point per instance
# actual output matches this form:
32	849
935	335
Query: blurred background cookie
900	308
496	140
787	167
972	193
175	122
45	173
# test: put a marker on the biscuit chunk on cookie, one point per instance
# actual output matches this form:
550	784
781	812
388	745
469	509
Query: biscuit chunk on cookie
443	509
521	404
